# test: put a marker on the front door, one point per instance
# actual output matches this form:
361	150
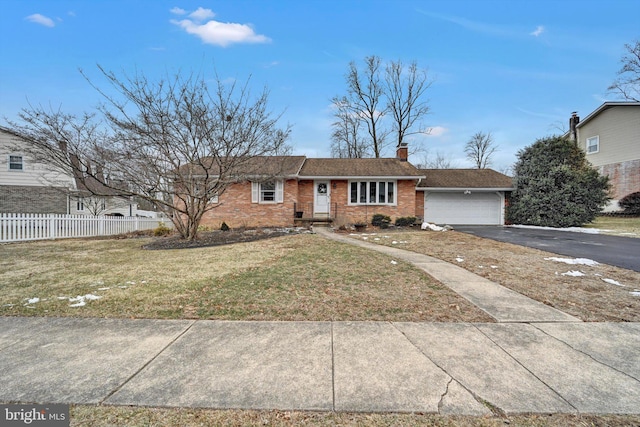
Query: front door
322	198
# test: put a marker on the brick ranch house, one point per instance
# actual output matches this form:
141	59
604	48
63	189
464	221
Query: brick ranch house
341	191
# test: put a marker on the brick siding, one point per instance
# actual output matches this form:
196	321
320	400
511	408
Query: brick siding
624	177
31	199
236	210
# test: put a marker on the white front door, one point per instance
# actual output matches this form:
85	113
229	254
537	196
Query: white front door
322	199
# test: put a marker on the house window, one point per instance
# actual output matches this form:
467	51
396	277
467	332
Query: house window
15	163
271	191
372	192
80	204
593	144
268	191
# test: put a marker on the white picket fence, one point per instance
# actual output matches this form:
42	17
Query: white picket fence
24	227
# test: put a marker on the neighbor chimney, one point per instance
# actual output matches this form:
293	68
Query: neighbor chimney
573	123
402	153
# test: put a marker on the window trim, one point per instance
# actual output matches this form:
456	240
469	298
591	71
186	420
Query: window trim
257	193
10	162
366	186
597	144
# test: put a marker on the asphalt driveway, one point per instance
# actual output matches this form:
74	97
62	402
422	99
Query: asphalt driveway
613	250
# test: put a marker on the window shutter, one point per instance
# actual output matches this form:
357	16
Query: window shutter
255	192
279	191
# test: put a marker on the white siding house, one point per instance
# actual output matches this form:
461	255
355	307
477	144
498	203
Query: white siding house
30	186
610	137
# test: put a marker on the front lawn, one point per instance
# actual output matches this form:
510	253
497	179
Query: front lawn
617	225
296	277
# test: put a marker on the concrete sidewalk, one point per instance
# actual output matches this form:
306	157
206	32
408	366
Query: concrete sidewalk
501	303
327	366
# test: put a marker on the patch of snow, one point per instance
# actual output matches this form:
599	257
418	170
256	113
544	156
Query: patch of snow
635	293
432	227
364	238
32	300
394	243
574	273
575	261
573	229
613	282
103	289
81	300
459	259
394	262
63	298
130	283
494	266
376	239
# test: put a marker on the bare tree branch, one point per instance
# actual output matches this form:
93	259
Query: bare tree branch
627	84
176	143
480	149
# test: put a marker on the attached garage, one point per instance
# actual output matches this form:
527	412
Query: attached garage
472	208
464	196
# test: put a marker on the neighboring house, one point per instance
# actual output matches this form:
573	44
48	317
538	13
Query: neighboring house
31	186
610	137
348	191
464	196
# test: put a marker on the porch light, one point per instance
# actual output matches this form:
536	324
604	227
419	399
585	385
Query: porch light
467	191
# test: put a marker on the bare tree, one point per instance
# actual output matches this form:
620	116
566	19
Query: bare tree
364	100
347	142
393	103
627	84
175	143
439	161
405	88
480	149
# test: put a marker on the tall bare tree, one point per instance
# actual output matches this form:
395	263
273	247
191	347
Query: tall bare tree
176	142
382	103
480	149
364	100
347	142
627	84
405	89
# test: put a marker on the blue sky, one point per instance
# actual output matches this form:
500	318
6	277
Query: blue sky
514	68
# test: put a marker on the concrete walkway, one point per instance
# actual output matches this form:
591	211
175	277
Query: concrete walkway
501	303
535	360
444	368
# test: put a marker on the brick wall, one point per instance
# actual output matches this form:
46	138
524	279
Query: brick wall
31	199
235	208
405	197
624	177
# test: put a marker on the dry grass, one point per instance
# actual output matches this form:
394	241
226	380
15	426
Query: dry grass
525	270
298	277
617	225
133	417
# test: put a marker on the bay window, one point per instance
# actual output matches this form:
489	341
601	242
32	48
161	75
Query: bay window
372	192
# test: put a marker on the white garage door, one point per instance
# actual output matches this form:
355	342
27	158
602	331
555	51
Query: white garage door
459	208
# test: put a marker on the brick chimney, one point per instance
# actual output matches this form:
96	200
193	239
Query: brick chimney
402	152
573	122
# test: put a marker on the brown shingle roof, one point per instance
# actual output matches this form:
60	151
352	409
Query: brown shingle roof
464	178
282	166
352	168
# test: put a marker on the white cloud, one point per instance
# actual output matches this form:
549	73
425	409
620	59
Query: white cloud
218	33
202	14
539	30
40	19
437	131
178	11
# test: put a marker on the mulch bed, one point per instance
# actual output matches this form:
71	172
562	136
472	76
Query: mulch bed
217	238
